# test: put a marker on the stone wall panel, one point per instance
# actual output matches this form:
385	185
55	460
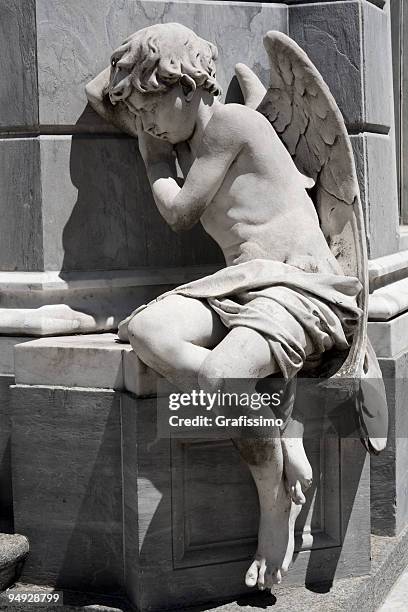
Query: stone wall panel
18	86
20	205
75	40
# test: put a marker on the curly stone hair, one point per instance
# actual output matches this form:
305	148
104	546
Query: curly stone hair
160	55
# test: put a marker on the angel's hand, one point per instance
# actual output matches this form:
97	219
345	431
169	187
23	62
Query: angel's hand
153	150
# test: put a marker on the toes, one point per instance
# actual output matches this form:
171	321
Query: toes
272	576
251	577
296	493
261	575
277	577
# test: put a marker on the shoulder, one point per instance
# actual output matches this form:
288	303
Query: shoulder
233	122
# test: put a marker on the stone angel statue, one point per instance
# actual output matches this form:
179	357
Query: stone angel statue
273	182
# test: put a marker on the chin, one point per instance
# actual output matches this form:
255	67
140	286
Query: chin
174	139
178	138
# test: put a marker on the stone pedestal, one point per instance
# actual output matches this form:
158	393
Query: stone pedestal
389	335
109	507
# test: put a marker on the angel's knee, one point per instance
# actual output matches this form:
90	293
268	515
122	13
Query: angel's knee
212	375
149	335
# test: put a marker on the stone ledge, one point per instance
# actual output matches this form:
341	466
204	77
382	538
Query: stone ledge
389	301
15	282
379	3
61	303
403	240
94	361
389	338
388	269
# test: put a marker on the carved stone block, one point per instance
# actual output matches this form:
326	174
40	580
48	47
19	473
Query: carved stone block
21	245
190	508
376	172
343	40
389	498
18	92
190	514
67	486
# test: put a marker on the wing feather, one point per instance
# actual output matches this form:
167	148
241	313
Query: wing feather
303	112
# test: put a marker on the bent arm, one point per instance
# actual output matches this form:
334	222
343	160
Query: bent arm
118	115
182	207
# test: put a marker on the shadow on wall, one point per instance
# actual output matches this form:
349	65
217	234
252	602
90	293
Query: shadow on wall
114	223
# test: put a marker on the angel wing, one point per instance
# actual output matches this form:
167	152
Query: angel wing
302	110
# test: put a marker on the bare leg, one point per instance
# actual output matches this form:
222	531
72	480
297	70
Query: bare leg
298	471
175	337
246	354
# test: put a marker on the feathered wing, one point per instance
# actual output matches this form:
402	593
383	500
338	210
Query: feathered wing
302	110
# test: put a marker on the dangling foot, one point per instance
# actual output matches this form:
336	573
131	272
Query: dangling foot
274	540
297	469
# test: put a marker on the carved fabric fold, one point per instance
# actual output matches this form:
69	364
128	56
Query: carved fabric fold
301	314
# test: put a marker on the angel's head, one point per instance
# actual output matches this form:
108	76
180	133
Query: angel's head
157	72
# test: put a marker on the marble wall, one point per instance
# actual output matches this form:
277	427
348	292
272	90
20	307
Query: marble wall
80	186
85	194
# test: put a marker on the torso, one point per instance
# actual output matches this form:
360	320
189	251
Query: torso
262	209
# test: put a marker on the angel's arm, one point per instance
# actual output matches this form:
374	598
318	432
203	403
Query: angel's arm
185	157
118	115
183	206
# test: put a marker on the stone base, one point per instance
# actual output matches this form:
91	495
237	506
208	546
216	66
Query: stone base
389	495
190	515
109	506
361	594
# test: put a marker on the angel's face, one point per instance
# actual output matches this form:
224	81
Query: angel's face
166	115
